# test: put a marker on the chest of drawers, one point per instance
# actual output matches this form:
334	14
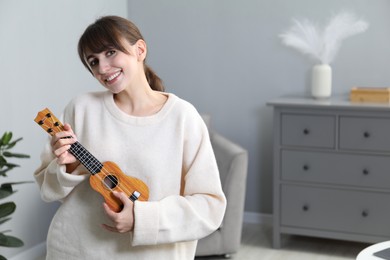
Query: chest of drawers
331	170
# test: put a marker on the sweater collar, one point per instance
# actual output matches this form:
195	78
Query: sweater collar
138	120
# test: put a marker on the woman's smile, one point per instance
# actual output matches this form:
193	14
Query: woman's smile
110	79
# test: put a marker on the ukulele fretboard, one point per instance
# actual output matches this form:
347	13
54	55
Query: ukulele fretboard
86	158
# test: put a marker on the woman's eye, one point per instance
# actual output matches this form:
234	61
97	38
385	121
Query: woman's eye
93	62
110	52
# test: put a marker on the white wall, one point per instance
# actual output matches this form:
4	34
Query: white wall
225	57
39	68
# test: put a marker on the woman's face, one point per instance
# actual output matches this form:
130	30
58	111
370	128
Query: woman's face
115	69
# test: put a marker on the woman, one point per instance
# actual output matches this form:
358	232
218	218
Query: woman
153	136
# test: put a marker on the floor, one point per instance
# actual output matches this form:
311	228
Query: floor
256	245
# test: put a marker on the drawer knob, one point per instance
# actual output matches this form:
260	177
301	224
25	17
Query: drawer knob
366	171
305	207
305	167
306	131
366	134
365	213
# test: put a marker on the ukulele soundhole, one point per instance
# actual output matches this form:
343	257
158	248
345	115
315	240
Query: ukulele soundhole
110	181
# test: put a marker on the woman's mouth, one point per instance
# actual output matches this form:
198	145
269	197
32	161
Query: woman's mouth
112	77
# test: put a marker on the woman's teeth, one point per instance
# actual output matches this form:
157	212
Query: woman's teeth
113	76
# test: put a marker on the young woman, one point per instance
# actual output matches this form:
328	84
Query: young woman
153	136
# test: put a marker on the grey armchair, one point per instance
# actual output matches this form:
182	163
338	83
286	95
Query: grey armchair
232	162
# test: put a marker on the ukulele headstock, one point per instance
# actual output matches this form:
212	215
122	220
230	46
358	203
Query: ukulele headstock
49	122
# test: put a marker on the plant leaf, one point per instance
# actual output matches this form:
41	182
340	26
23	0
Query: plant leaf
7	209
4	220
2	258
9	184
10	241
3	172
10	165
3	161
6	188
5	192
7	136
13	143
17	155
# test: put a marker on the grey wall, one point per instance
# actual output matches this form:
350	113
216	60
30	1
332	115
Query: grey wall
224	56
39	67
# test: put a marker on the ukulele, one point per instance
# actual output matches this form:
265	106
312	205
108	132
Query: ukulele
105	177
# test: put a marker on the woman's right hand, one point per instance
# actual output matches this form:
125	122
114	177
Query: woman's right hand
60	144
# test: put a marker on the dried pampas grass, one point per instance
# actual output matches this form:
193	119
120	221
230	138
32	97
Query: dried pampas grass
323	45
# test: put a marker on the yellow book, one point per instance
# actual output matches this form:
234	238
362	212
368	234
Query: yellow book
367	94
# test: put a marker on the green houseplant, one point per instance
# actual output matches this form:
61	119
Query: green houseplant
6	189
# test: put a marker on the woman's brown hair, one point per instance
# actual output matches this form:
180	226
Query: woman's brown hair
106	33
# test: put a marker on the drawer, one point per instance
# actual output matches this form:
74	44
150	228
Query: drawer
336	210
365	133
308	130
336	168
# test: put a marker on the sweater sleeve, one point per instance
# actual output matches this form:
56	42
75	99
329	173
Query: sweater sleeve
53	180
199	209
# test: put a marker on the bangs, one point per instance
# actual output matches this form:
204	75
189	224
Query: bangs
98	38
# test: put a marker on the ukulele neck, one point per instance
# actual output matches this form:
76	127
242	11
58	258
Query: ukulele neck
50	123
86	158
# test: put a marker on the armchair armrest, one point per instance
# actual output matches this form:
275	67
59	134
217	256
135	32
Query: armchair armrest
232	163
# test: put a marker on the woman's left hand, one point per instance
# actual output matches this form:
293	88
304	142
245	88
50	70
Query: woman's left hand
123	221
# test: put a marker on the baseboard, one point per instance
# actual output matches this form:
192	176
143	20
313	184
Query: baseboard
34	253
257	218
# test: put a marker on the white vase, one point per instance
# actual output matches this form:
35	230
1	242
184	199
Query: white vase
321	81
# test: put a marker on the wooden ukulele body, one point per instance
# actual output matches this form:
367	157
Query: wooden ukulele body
111	178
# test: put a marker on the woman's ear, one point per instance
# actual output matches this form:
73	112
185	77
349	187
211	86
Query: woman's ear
141	50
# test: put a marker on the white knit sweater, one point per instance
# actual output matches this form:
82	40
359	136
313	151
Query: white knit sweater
170	151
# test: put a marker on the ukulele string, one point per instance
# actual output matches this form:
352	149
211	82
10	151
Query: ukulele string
106	174
57	124
95	165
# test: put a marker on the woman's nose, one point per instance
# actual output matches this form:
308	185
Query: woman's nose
103	66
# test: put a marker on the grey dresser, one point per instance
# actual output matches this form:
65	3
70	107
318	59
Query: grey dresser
331	169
